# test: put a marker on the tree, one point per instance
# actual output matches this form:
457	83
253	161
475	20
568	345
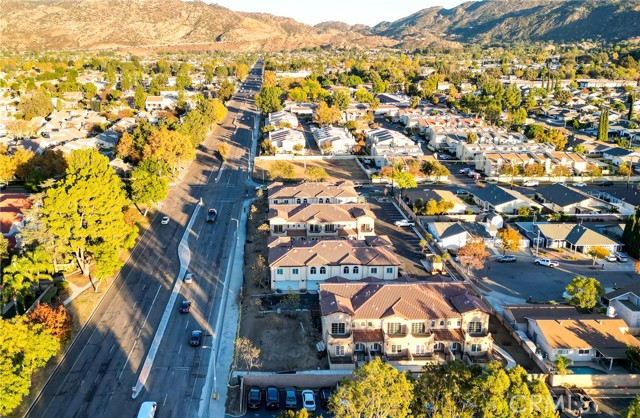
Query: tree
603	125
632	102
139	97
597	252
415	102
297	95
24	348
226	90
555	137
562	364
378	390
223	150
404	180
510	239
472	137
149	184
248	353
242	70
169	147
633	356
38	104
512	97
561	171
534	170
623	169
316	174
268	100
259	270
584	292
269	79
434	168
57	320
518	117
633	411
327	115
281	170
564	97
341	99
85	212
291	300
473	255
291	414
15	286
534	131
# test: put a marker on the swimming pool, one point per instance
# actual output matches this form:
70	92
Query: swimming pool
584	370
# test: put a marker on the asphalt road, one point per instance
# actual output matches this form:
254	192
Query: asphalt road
97	375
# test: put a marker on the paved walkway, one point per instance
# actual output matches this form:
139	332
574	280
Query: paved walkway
75	292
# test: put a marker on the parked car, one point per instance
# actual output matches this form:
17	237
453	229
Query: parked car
611	258
471	173
404	222
290	400
273	398
622	257
165	220
196	338
506	259
530	183
606	183
462	192
254	400
212	214
185	306
308	400
579	184
546	262
325	394
464	170
188	278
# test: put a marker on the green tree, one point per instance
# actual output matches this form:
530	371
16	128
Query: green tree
631	234
632	102
24	348
281	170
512	97
149	184
327	115
555	137
562	364
472	137
584	292
510	239
85	212
297	95
378	390
316	174
139	97
603	126
341	99
633	411
534	131
518	117
491	391
404	180
564	97
226	90
268	100
37	104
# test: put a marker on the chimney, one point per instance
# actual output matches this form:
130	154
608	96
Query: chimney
559	321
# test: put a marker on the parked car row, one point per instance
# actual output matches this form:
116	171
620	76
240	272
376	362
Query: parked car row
271	398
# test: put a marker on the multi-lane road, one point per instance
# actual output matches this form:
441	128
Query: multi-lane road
96	377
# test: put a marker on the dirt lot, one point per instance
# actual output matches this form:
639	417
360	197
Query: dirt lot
503	338
336	169
286	339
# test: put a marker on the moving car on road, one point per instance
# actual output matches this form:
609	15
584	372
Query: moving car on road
254	400
212	214
185	306
188	278
196	338
506	259
165	220
308	400
546	262
606	183
579	184
404	222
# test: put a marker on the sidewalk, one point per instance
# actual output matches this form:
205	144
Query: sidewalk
75	292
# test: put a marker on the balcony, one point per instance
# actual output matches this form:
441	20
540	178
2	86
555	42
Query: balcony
422	334
339	337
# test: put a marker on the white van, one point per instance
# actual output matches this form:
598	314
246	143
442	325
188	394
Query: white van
147	410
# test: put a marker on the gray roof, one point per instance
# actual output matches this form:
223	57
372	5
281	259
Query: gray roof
495	195
562	195
617	152
581	235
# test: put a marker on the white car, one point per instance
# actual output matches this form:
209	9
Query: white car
579	184
611	258
308	400
165	220
404	222
530	183
464	170
188	278
546	262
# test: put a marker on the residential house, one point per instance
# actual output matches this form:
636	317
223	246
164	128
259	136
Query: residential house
303	265
459	206
320	221
155	103
563	199
625	200
625	304
407	324
335	140
330	193
502	200
287	141
517	315
576	237
282	119
618	156
454	235
12	215
385	143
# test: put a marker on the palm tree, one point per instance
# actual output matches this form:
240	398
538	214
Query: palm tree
16	285
37	265
562	364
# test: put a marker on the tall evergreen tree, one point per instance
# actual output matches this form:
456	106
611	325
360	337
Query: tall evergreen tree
632	102
631	234
603	125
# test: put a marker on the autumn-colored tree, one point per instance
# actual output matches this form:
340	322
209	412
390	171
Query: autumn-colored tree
510	239
597	252
561	171
223	150
316	174
327	115
282	170
170	147
248	353
584	292
58	320
473	255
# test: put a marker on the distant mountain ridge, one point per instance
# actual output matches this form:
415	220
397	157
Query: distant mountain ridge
100	24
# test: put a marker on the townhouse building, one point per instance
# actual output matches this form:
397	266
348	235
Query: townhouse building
329	193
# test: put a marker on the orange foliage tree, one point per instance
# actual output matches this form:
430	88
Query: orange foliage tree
57	320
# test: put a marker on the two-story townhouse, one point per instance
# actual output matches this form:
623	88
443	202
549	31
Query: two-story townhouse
281	119
311	221
299	265
287	140
329	193
409	324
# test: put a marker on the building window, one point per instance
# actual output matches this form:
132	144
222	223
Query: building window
370	324
345	270
313	270
433	324
563	352
321	200
359	347
476	348
279	272
278	229
330	228
396	348
294	271
275	202
394	328
374	270
459	322
583	352
356	270
420	349
298	201
338	328
474	327
375	347
315	228
442	323
323	270
389	270
366	228
339	350
417	328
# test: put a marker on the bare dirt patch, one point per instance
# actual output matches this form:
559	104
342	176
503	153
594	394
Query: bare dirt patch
336	169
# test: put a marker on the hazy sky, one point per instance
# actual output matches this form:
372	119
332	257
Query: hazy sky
369	12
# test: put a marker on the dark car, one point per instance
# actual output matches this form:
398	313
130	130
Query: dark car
290	400
185	306
273	397
254	400
606	183
212	215
506	259
325	394
196	338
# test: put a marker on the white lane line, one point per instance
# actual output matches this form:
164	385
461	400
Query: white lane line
186	325
165	399
128	357
179	348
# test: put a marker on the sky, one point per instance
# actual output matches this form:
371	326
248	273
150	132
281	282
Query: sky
368	12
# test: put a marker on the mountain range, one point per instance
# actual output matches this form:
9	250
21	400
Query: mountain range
174	24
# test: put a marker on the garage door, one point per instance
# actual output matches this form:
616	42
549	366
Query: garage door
313	286
285	285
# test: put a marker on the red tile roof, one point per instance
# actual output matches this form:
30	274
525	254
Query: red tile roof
12	206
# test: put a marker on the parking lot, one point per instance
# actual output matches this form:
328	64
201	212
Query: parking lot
264	413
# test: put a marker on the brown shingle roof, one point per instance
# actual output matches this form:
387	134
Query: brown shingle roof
446	335
319	212
343	189
331	252
368	335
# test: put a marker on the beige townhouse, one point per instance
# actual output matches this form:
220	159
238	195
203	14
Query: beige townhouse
333	193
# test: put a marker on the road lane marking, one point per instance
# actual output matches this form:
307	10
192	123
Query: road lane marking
179	348
186	325
127	360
